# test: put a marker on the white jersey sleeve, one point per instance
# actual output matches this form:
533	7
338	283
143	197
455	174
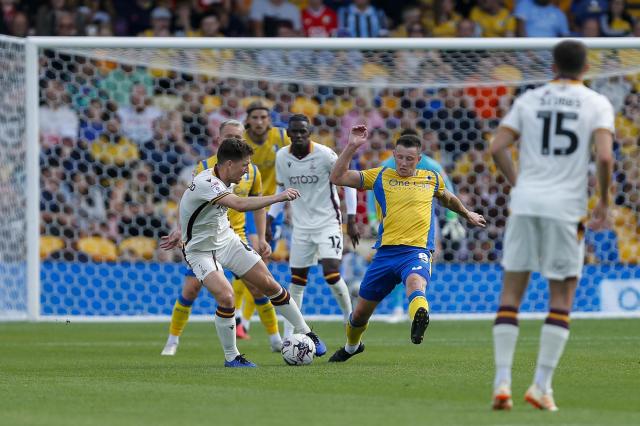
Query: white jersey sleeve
556	123
513	119
205	225
604	115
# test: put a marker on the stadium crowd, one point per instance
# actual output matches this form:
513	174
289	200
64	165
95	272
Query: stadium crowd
119	142
318	18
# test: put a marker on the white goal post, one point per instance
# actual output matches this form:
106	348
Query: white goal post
128	49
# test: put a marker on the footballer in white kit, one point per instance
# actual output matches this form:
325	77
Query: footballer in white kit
558	125
317	220
209	244
549	201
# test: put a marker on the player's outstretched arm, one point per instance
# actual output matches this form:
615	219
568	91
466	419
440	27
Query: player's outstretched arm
245	204
603	140
341	175
499	150
452	202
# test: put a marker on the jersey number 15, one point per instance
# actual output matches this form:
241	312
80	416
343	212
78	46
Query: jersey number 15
559	131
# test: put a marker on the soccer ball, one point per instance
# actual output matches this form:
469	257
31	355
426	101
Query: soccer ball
298	349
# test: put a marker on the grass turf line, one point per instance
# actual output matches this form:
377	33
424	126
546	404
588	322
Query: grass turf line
113	374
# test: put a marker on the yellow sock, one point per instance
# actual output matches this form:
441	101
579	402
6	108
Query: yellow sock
248	306
267	314
179	316
238	291
354	334
417	300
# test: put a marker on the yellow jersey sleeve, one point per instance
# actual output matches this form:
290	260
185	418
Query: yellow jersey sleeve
368	177
440	185
256	187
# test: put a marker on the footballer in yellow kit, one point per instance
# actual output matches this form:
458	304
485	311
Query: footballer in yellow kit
405	203
265	141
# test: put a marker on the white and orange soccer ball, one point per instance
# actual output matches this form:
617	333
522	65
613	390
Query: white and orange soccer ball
298	349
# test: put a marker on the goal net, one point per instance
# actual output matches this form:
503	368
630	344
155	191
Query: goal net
122	122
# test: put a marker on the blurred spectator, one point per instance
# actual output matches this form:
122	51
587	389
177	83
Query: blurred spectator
456	125
137	119
46	17
56	212
89	200
66	25
628	125
166	153
160	23
377	149
540	18
97	16
8	12
493	19
266	16
118	83
466	28
114	151
360	19
464	7
58	122
92	120
209	27
411	18
133	16
581	10
616	22
445	19
186	18
135	199
615	88
590	28
19	26
319	20
362	113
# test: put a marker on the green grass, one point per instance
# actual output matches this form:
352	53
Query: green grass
113	374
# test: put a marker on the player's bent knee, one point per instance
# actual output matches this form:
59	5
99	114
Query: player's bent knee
191	288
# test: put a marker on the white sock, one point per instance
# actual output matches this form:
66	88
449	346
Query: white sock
341	293
296	292
173	340
246	323
291	313
505	337
552	342
226	328
275	338
351	348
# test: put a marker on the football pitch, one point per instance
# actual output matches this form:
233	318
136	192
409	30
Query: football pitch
113	374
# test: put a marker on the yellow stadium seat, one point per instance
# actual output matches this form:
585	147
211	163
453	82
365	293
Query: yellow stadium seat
281	252
141	247
99	249
50	245
629	251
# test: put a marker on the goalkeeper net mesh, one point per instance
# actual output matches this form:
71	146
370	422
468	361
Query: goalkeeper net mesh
122	128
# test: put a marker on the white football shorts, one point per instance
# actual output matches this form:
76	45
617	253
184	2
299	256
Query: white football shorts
235	256
308	247
552	247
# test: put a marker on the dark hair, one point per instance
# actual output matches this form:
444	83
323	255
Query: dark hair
233	149
299	117
409	141
413	132
253	106
570	56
